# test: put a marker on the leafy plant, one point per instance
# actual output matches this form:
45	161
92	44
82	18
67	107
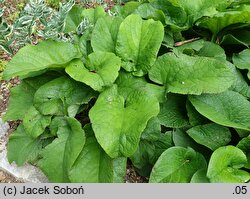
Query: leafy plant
37	19
162	83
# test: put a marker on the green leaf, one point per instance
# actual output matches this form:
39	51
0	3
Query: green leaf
237	37
225	164
128	83
222	20
173	112
138	42
177	164
101	70
34	122
244	145
92	165
195	118
211	135
120	168
127	9
93	14
118	122
59	156
240	85
60	95
149	151
148	11
242	60
152	132
182	139
228	108
22	95
22	148
212	50
200	176
32	60
191	75
73	19
175	16
104	34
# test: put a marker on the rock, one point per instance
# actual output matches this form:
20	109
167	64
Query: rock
3	128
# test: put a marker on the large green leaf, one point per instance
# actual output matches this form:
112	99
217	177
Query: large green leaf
181	14
210	135
225	164
128	83
93	165
31	60
118	122
59	156
73	19
173	111
22	148
21	96
62	96
104	34
175	16
184	74
222	20
138	42
35	123
149	11
242	60
244	145
177	164
228	108
101	70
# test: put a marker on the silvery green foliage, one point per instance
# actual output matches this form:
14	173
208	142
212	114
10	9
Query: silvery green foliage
5	31
37	18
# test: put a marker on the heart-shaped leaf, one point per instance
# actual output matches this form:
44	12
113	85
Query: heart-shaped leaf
177	164
225	164
118	122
